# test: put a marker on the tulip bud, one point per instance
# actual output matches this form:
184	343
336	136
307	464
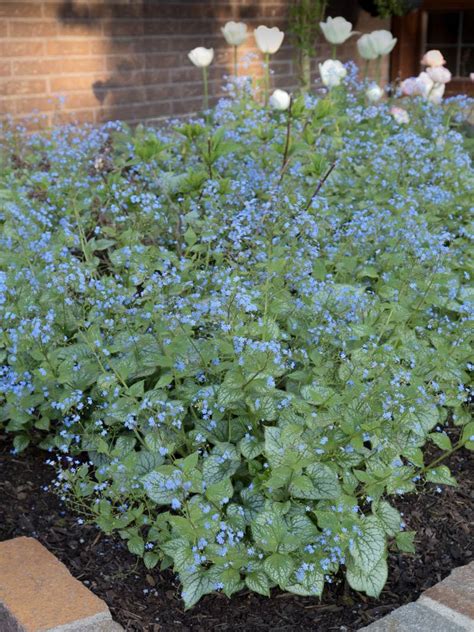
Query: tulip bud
268	40
235	33
201	57
332	72
336	30
374	93
280	100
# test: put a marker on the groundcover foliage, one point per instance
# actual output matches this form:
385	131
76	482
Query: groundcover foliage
236	335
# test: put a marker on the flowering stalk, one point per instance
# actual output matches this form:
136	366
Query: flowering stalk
378	69
236	65
287	142
267	77
319	185
366	69
206	88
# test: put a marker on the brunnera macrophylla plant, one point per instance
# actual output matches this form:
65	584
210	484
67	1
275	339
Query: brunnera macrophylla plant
236	337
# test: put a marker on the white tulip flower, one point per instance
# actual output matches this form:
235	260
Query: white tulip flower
332	72
268	40
383	42
235	33
336	30
365	47
201	57
376	44
374	93
280	100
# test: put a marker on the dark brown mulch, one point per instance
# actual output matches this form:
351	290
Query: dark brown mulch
148	601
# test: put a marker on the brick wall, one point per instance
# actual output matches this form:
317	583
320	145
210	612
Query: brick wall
105	59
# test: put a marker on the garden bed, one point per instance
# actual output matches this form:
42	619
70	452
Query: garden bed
148	601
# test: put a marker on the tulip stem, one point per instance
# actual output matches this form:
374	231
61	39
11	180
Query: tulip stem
267	77
334	51
236	64
366	69
378	69
206	89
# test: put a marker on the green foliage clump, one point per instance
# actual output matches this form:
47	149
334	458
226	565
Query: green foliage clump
237	336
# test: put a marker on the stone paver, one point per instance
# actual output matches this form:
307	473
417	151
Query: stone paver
446	607
38	594
414	618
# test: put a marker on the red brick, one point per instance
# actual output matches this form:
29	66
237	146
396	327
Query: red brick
25	105
79	116
10	48
73	84
120	47
69	28
187	105
124	28
140	111
80	100
25	29
67	47
5	68
31	67
16	87
124	63
78	64
20	9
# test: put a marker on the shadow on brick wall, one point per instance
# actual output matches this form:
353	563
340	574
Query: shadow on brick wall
141	50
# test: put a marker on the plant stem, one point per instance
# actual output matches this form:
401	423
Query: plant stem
378	70
334	51
206	89
267	76
236	64
320	184
366	69
305	71
287	142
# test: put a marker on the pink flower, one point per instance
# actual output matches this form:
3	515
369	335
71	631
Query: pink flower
439	74
399	114
433	58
